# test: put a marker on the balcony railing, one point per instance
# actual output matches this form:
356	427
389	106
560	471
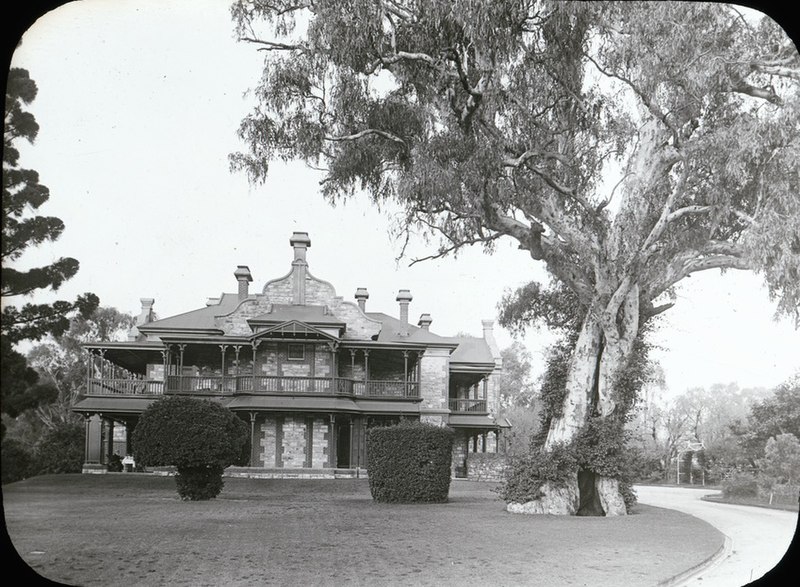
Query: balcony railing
471	406
125	387
267	384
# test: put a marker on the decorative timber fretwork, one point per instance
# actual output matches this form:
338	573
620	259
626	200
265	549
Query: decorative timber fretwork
294	329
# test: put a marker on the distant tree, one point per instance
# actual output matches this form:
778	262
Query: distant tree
21	389
199	437
517	395
781	462
779	413
514	385
490	120
61	361
23	195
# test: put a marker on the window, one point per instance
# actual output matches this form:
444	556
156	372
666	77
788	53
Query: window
296	352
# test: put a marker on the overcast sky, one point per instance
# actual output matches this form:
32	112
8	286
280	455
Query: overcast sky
138	104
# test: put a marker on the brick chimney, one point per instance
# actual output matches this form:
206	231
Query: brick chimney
299	242
362	295
242	275
404	297
488	336
425	321
145	316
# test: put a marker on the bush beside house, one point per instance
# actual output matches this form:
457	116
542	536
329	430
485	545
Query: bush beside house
409	462
16	461
199	437
60	450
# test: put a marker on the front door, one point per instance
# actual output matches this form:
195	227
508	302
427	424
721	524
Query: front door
343	444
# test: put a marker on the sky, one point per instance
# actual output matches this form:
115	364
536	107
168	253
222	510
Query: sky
138	106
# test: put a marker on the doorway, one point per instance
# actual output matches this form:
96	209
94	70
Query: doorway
343	444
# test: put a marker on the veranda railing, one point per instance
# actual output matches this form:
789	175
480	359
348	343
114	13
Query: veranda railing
269	384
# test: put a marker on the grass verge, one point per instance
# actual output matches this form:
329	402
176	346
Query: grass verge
131	529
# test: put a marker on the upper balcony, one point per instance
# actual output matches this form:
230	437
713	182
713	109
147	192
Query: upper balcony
255	384
468	406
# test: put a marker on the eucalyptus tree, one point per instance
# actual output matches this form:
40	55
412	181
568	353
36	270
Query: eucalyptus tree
626	146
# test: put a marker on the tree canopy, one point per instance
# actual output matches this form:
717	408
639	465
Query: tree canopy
61	361
23	195
22	228
626	145
506	119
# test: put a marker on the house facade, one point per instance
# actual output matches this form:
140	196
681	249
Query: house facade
309	373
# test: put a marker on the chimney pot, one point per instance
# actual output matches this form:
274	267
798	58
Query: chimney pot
300	242
243	276
362	295
425	321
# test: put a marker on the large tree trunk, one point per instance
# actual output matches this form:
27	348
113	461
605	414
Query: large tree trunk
595	365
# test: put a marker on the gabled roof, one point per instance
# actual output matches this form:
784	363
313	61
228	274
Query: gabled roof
293	329
201	319
471	350
313	315
390	331
468	349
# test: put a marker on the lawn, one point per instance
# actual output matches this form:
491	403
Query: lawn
132	529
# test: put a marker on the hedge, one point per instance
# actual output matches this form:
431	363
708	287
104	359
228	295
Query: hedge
409	463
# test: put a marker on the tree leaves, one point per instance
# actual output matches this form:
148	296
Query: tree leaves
504	119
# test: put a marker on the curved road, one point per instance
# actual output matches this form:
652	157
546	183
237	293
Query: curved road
758	537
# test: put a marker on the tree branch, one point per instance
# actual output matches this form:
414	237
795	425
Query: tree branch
272	45
366	132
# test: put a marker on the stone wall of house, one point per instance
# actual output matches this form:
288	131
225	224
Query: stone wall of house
491	394
320	442
359	326
281	290
235	323
348	371
294	442
434	379
298	442
318	292
316	360
322	360
267	441
486	466
296	367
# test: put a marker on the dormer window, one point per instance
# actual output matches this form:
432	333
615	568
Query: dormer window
296	352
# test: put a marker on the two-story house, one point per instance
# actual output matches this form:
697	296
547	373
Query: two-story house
308	371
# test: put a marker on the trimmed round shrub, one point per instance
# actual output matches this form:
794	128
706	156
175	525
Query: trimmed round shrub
198	483
60	450
199	437
17	461
409	463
